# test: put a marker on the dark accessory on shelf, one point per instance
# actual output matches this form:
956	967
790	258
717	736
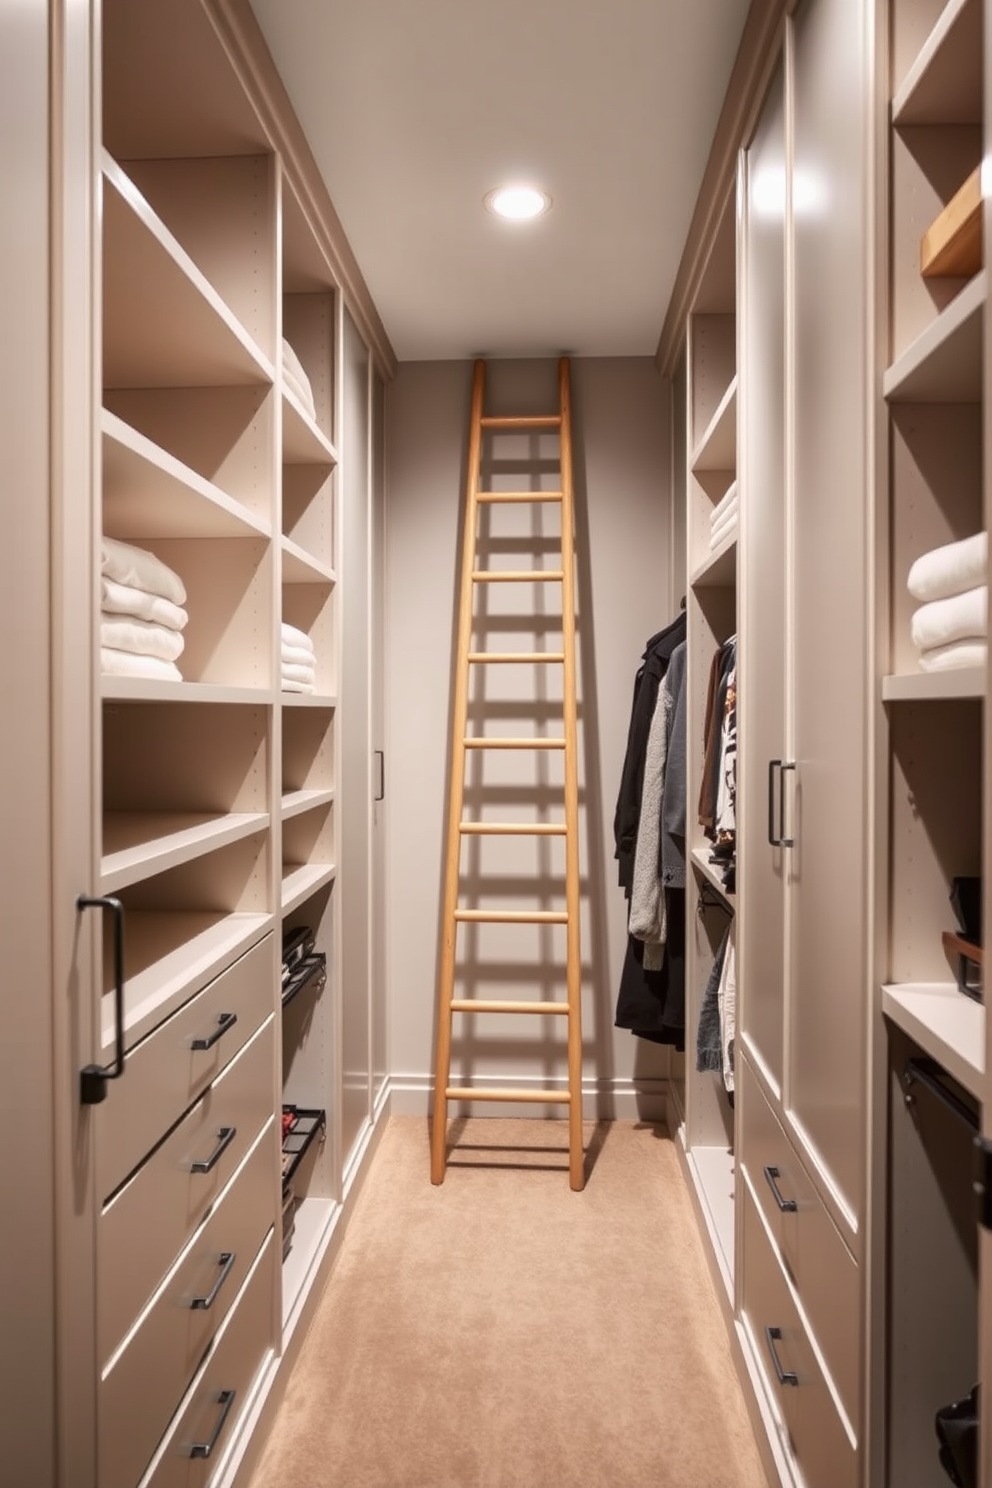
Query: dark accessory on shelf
929	1074
957	1432
966	902
296	944
307	1124
310	972
964	951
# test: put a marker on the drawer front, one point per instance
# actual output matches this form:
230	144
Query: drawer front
822	1268
211	1413
817	1435
139	1396
165	1074
142	1231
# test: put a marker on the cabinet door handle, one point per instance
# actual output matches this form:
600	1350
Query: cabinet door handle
226	1263
224	1022
775	838
380	755
787	1206
93	1078
203	1449
227	1135
785	1376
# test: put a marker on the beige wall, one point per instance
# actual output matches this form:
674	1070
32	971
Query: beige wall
622	467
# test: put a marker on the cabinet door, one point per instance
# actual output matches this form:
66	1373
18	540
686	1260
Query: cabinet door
828	879
761	694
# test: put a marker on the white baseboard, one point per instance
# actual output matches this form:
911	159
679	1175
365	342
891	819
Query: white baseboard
621	1099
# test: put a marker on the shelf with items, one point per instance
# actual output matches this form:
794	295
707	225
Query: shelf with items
700	859
308	975
309	608
962	683
720	568
952	244
148	690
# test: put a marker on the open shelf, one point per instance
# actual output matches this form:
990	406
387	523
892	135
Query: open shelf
713	1172
149	493
946	1024
944	363
310	973
699	858
720	569
313	1223
294	803
308	700
164	323
911	687
952	244
944	84
149	690
137	845
717	449
299	881
303	443
301	567
310	1125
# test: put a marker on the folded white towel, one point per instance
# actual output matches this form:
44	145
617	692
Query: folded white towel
141	638
723	531
956	619
122	599
292	673
290	686
293	637
297	655
115	663
726	518
951	569
141	570
730	499
966	653
297	378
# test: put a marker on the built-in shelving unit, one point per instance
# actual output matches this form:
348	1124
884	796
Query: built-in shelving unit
700	861
946	1025
962	683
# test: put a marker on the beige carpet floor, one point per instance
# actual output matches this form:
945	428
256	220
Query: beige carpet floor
501	1331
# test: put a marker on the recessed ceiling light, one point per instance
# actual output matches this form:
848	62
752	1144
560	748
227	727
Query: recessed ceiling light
518	203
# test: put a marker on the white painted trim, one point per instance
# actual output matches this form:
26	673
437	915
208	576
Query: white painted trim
621	1098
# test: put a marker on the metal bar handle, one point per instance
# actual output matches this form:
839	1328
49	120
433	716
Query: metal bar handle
226	1262
773	840
93	1078
784	1376
925	1071
787	1206
227	1135
225	1022
203	1449
380	794
785	765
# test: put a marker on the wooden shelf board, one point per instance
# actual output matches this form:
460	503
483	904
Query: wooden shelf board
944	363
699	857
177	952
164	323
303	443
946	1024
149	690
713	1172
301	567
311	1235
149	493
717	449
299	881
137	845
308	700
295	803
719	570
952	244
911	687
944	84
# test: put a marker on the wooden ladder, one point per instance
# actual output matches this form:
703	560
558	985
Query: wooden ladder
462	743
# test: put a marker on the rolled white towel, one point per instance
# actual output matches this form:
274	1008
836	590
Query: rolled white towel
949	570
289	686
296	377
140	570
293	637
115	663
292	673
966	653
730	499
122	599
962	617
297	656
141	638
724	530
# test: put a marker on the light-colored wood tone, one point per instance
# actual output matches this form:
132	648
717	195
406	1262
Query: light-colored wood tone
947	1025
481	1093
138	844
481	1005
500	497
140	1388
296	802
699	858
717	447
953	245
508	743
943	364
517	576
512	916
300	882
718	570
512	829
944	83
301	567
529	421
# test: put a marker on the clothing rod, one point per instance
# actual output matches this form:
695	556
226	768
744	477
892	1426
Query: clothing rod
924	1071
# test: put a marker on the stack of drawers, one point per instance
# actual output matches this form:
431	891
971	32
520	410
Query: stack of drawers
187	1159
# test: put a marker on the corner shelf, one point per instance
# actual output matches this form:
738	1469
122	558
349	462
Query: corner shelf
301	880
944	84
140	844
944	363
945	1023
717	449
911	687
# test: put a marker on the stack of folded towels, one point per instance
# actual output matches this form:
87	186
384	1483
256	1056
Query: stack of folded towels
142	616
950	629
723	518
299	664
296	379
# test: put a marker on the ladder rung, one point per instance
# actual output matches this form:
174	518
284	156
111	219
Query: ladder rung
513	743
527	421
518	496
513	916
513	829
517	575
470	1005
528	656
539	1097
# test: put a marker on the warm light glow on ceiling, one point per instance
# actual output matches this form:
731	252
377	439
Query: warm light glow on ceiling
518	203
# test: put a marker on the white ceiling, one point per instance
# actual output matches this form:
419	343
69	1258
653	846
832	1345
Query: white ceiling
415	109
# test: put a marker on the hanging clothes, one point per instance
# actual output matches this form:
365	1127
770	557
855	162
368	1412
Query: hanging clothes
718	1013
717	811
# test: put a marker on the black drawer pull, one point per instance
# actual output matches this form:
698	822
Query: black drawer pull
203	1449
227	1135
787	1206
226	1262
785	1376
224	1022
93	1078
